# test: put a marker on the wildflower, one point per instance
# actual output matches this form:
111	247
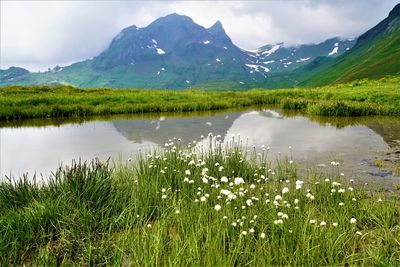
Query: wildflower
217	207
252	186
341	190
278	197
341	204
354	199
238	180
335	224
262	235
187	172
351	189
251	230
279	221
225	217
191	163
285	190
244	232
203	198
285	216
164	197
290	161
358	233
234	224
224	179
379	199
353	220
280	214
163	190
177	212
296	201
149	225
313	221
249	202
205	180
323	223
299	184
221	168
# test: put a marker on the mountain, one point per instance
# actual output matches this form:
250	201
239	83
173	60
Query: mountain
376	54
281	58
175	52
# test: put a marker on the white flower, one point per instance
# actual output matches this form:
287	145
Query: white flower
354	199
164	197
221	168
191	162
280	214
299	184
341	204
285	216
149	225
285	190
379	199
251	230
278	197
335	224
205	180
187	172
252	186
244	232
177	212
234	224
296	201
225	217
341	190
203	198
238	180
353	220
225	192
358	233
313	221
279	221
323	223
262	235
217	207
224	179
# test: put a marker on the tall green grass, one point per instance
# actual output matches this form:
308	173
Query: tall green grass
380	97
162	209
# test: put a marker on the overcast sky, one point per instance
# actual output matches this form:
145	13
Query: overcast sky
40	34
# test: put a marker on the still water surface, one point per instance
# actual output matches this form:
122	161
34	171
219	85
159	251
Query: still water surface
315	142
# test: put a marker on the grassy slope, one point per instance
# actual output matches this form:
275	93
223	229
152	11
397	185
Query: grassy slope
373	59
365	97
145	213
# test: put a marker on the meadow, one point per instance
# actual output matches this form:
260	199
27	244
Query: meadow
358	98
209	203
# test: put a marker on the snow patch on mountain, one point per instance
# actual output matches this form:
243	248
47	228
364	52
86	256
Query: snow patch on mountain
160	51
334	51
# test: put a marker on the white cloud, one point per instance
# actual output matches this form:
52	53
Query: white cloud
41	34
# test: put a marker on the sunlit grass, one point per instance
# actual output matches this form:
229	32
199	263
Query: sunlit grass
360	98
208	204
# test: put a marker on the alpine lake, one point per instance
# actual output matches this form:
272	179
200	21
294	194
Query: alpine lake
367	148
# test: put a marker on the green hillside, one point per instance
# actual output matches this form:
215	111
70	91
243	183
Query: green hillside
376	54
